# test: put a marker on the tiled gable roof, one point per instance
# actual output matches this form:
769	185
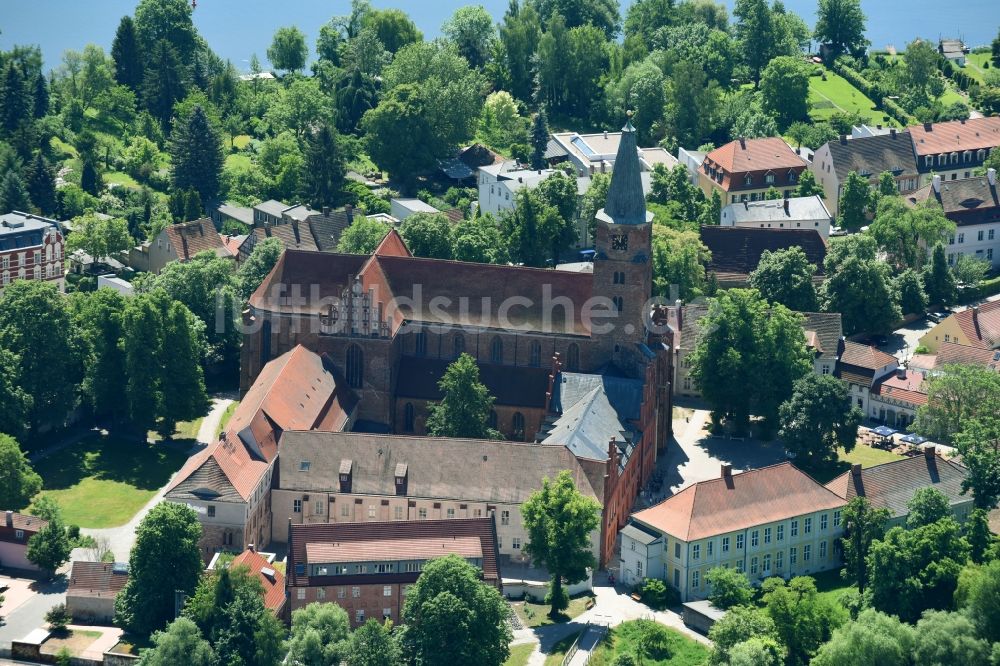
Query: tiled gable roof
327	229
389	541
727	504
981	324
967	201
270	578
328	273
909	388
97	579
865	356
892	485
511	385
736	251
190	238
828	329
294	236
956	135
952	352
871	155
437	467
30	525
755	155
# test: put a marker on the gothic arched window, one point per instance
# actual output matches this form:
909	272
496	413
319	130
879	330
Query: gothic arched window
355	366
573	357
496	350
408	417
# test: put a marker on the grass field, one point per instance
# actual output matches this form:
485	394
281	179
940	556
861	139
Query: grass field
228	414
104	480
519	655
862	454
119	178
681	650
837	94
559	650
537	615
975	65
831	585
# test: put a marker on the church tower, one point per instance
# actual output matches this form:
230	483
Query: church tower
623	270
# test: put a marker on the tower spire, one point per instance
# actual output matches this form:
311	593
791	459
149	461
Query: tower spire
626	203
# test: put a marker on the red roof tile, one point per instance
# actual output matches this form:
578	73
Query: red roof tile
981	324
30	525
755	497
951	352
272	580
909	388
96	579
865	356
752	156
957	135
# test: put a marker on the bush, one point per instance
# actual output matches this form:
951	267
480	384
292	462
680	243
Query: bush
625	659
921	349
64	657
73	532
657	594
58	617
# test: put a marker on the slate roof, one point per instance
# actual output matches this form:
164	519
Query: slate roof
754	497
736	251
828	329
965	202
624	395
272	580
871	155
294	236
626	203
239	213
190	238
952	352
956	135
587	427
99	580
892	485
511	385
640	533
272	207
327	229
445	468
389	541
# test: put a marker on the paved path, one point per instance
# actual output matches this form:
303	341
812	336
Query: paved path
121	539
30	615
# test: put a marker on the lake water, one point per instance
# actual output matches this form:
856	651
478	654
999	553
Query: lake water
237	28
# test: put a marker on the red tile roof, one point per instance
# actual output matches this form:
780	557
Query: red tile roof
981	324
30	525
755	497
865	356
386	541
97	579
392	246
272	580
957	135
909	388
190	238
951	352
752	156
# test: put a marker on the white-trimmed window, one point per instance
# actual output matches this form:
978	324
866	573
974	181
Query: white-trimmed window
807	526
806	553
359	615
792	556
823	522
387	590
754	538
725	544
297	506
781	529
739	542
300	593
320	593
795	529
822	550
779	560
836	518
696	551
696	580
355	592
753	566
516	543
767	565
767	535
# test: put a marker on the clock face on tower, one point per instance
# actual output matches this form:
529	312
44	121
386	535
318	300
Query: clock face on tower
619	242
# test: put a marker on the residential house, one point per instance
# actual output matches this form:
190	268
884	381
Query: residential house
868	156
737	250
692	161
15	532
822	331
892	485
467	161
597	152
954	149
974	206
745	169
367	568
499	183
862	367
31	248
236	214
272	581
953	353
316	232
123	287
772	521
277	212
862	130
953	50
978	326
178	242
93	588
790	213
896	397
229	483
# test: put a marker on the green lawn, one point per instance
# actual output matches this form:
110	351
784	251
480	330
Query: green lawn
837	94
559	650
831	585
681	650
975	65
104	480
537	615
228	414
519	655
862	454
119	178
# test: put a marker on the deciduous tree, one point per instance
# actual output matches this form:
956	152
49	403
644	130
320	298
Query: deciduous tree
910	288
288	50
374	644
979	443
319	635
394	28
841	25
252	272
956	397
803	618
854	200
98	316
863	525
464	410
471	28
785	87
928	505
560	521
818	419
49	549
786	277
679	259
739	624
179	643
427	235
730	587
874	639
363	236
19	483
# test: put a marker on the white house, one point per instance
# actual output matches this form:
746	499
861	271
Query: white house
791	213
403	208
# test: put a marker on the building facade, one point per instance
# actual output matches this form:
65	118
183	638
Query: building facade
15	531
955	149
862	368
31	248
746	169
977	326
790	213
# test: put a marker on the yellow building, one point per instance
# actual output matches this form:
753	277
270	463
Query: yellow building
978	326
773	521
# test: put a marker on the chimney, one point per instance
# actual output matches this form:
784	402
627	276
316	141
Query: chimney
251	548
727	471
930	452
605	134
991	176
326	211
843	139
743	143
937	184
961	120
901	373
10	519
879	126
349	209
856	471
892	132
786	205
680	314
928	127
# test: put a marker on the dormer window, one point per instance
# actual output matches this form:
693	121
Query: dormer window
792	177
769	178
954	158
966	156
942	160
929	161
748	180
346	471
402	472
980	155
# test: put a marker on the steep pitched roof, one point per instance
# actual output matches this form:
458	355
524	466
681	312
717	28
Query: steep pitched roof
736	251
956	135
190	238
892	485
30	525
744	155
445	468
626	203
828	329
865	356
909	388
952	352
981	324
294	236
966	201
100	580
272	580
871	155
392	245
754	497
624	395
511	385
328	274
327	229
390	541
587	427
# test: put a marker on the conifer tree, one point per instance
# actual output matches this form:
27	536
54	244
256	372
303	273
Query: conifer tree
322	179
163	82
539	139
126	55
41	185
15	103
12	194
193	210
41	96
939	281
141	333
196	149
90	177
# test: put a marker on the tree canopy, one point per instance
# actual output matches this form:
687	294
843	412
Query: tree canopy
464	410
